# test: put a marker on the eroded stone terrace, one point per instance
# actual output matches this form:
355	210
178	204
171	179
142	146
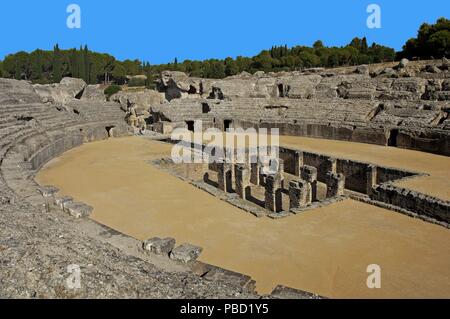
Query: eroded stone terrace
405	107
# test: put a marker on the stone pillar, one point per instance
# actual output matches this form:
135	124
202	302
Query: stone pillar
263	168
281	167
331	165
281	172
298	194
224	175
276	166
273	195
254	170
371	174
335	184
298	162
242	179
206	178
309	174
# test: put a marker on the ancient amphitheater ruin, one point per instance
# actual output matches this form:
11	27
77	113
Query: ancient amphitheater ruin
362	178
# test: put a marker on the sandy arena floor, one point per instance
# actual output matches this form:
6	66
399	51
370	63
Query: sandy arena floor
325	251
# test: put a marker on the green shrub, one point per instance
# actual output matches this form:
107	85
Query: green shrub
112	89
136	82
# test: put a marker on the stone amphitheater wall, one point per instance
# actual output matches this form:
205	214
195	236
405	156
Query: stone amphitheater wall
55	149
386	174
375	181
74	139
426	141
431	142
405	107
412	201
356	175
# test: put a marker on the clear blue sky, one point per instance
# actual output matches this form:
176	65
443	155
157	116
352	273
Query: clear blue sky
157	30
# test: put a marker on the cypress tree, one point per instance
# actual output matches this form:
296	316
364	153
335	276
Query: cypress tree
87	62
57	64
75	63
82	64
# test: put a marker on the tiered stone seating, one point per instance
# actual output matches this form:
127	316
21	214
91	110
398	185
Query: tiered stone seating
31	132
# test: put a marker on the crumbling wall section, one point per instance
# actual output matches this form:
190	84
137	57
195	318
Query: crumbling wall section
355	174
418	203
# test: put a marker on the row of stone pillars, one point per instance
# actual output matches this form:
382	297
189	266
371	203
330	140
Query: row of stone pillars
302	191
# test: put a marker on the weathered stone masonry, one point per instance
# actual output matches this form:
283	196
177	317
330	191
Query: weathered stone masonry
338	175
402	107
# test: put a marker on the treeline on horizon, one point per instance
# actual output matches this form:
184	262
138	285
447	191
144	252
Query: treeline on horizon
39	66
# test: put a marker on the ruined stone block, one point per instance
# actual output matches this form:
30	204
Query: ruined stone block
215	273
159	246
309	174
60	202
242	178
298	194
331	165
48	192
298	163
282	292
281	167
273	195
274	182
186	253
224	176
371	174
276	165
335	184
78	210
254	170
263	171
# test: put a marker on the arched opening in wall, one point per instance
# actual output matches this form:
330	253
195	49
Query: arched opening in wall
110	130
206	108
192	90
216	94
280	90
392	141
227	124
190	125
